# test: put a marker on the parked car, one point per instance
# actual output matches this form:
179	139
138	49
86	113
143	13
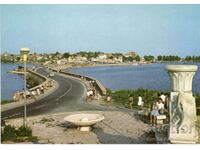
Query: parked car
51	75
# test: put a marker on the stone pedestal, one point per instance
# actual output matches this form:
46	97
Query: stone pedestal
182	104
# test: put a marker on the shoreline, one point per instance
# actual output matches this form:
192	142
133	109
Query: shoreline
96	65
71	66
66	66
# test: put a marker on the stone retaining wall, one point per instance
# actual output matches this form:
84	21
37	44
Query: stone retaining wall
49	87
45	83
97	84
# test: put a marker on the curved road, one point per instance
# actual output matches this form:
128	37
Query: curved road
70	96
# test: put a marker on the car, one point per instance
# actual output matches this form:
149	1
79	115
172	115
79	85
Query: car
33	68
51	75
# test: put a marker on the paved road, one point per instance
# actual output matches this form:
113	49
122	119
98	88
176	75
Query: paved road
70	96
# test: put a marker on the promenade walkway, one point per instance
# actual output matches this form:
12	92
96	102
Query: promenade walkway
120	125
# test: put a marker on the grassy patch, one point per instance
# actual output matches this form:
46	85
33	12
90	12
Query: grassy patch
32	81
148	96
6	101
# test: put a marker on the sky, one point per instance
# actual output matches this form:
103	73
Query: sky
146	29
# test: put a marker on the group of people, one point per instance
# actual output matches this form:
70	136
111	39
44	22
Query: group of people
159	107
140	102
92	95
32	94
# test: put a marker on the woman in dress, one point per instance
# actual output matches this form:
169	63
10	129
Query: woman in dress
154	113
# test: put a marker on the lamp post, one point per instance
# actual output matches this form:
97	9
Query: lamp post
24	53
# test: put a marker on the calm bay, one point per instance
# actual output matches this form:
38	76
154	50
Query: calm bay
10	82
151	76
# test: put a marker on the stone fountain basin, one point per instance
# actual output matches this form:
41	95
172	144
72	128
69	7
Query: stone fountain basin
84	120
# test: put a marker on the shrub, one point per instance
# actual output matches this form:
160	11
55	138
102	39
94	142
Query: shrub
148	96
24	131
9	133
108	91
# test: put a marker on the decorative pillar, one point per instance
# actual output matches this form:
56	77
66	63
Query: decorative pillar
182	106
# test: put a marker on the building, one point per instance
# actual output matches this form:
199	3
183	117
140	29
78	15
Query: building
130	54
102	57
62	61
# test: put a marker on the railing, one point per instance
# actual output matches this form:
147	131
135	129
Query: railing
99	86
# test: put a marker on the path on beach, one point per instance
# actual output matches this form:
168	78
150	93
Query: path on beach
69	96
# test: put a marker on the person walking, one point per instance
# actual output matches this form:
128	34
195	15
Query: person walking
162	96
140	102
130	100
160	106
108	99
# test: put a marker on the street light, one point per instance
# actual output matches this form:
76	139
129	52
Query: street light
24	53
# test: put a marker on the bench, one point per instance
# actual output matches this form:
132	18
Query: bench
141	112
161	118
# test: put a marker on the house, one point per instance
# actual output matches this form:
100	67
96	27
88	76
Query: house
118	59
130	54
80	58
102	56
62	61
77	59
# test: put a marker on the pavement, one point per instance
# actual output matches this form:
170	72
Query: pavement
120	126
69	96
117	128
13	105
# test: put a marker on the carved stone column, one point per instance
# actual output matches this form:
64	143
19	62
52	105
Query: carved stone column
182	106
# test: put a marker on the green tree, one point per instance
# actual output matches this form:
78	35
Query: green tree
192	58
57	53
137	58
66	55
111	57
159	58
149	58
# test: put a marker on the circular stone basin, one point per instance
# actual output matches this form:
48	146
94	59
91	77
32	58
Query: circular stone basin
84	121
